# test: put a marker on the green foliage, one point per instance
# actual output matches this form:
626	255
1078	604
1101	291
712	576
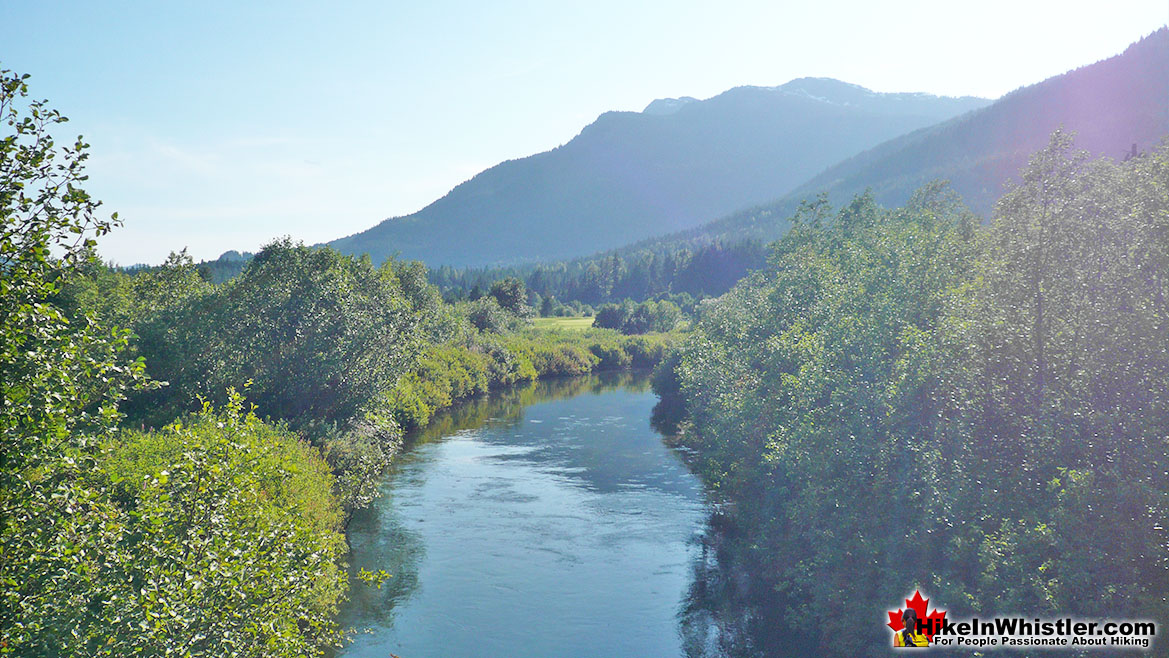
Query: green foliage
129	300
95	289
485	314
630	318
215	538
794	395
318	334
232	543
554	357
1061	358
511	295
450	372
358	451
166	287
904	400
61	381
678	272
792	391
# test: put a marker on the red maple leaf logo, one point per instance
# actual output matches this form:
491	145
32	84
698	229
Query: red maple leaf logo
919	606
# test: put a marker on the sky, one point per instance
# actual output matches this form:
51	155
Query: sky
222	125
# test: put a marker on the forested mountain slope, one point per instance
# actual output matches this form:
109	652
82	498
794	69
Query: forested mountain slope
1111	106
630	176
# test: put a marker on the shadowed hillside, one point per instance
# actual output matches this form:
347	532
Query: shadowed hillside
630	176
1111	106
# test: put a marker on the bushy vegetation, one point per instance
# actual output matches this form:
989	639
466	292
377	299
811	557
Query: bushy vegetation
318	335
906	399
550	307
457	370
630	318
216	537
232	542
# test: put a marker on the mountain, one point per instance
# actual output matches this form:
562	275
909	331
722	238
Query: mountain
632	175
1112	106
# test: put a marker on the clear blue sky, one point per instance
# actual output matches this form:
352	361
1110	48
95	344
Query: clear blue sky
220	125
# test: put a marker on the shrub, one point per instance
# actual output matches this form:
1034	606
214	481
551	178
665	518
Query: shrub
232	542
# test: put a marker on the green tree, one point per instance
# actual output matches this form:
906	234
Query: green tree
485	314
61	382
512	296
319	335
215	538
630	318
613	316
1063	341
167	286
808	414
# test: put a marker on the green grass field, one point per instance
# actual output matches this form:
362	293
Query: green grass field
565	324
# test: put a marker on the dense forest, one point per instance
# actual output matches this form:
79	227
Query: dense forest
907	399
680	273
683	274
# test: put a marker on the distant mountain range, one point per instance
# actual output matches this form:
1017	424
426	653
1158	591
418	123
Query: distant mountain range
1112	106
629	176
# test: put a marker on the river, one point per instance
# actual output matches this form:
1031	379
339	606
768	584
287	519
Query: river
548	520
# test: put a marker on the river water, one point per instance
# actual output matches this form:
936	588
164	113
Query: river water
544	521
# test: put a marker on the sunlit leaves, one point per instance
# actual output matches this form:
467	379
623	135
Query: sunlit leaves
61	380
904	398
232	544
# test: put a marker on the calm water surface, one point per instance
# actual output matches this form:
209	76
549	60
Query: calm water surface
548	521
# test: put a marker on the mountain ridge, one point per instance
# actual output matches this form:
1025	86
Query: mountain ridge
980	151
629	176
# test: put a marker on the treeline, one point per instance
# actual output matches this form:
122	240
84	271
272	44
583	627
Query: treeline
907	399
641	274
179	458
682	274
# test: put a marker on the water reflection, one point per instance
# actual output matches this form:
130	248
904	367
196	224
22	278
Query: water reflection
719	619
506	407
727	613
386	540
549	520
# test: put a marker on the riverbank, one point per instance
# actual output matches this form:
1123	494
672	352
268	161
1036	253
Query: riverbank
450	372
